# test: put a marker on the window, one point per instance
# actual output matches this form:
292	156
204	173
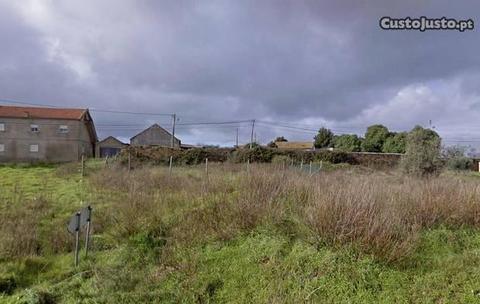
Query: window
2	127
2	147
63	129
34	128
33	148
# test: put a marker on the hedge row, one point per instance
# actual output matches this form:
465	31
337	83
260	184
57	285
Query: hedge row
160	155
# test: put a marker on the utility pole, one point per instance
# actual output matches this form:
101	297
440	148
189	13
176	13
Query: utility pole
174	119
236	140
251	135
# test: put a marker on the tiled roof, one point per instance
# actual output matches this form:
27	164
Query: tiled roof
48	113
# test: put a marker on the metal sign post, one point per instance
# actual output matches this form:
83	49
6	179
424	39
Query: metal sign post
83	165
77	221
86	218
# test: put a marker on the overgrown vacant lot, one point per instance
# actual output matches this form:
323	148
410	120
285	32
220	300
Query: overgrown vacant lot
271	235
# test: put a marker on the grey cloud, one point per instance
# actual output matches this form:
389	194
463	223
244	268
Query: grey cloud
222	60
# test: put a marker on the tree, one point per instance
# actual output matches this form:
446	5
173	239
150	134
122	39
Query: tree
375	138
422	155
324	138
280	139
347	143
456	159
273	144
395	143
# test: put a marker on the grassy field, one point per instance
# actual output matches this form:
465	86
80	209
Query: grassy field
266	235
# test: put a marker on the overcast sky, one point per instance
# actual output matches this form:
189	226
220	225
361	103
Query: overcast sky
304	64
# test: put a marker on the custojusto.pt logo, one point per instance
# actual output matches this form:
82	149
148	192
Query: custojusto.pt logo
424	24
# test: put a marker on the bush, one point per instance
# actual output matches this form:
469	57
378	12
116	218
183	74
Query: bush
459	163
281	159
258	155
456	159
395	143
422	155
348	143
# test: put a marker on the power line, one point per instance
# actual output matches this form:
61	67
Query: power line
90	109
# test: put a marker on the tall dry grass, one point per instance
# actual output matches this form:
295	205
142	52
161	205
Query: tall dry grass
378	213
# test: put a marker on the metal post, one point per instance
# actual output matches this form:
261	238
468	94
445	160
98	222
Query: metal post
301	165
170	165
174	118
206	166
248	165
77	238
129	161
310	170
83	165
321	164
87	237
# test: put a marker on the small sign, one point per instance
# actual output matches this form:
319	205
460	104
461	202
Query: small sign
85	216
74	223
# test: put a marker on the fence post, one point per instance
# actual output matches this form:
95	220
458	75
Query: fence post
106	161
83	165
301	165
77	238
248	165
129	161
310	170
206	166
87	237
170	165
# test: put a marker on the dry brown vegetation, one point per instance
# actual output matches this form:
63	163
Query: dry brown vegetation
377	213
381	214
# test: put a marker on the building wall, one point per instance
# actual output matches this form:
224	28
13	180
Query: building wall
154	136
53	146
108	143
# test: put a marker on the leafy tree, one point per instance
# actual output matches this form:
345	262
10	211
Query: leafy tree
456	159
280	139
422	155
347	143
375	137
324	138
395	143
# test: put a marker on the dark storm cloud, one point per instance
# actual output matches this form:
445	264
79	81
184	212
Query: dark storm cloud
314	62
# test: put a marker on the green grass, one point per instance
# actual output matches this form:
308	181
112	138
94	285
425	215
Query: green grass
265	265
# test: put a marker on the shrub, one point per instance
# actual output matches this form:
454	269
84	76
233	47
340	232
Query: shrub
347	143
422	155
395	143
281	160
456	159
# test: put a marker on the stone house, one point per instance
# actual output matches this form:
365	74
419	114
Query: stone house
110	146
155	136
29	134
